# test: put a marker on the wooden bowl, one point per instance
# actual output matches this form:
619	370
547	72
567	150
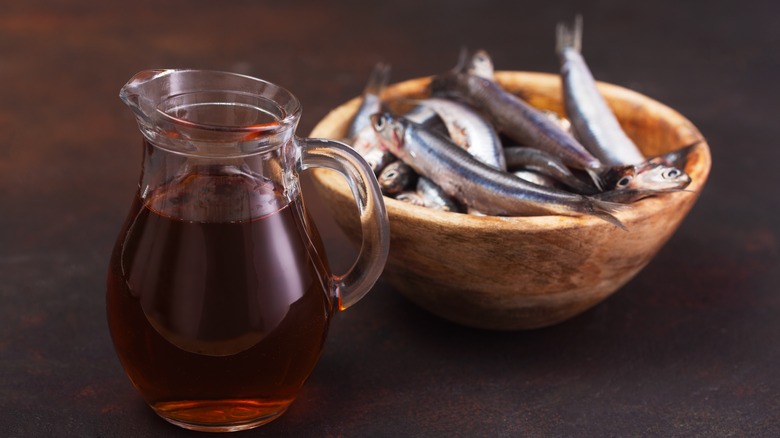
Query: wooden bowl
510	273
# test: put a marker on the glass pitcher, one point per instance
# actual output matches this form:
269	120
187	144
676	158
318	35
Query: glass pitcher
219	291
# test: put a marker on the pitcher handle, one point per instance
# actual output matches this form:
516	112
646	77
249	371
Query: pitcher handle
350	287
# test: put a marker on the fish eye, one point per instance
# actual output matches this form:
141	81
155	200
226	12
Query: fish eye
379	122
673	173
623	182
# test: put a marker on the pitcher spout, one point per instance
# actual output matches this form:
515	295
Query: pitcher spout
142	92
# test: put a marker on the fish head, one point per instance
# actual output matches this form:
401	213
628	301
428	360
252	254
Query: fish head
390	131
654	175
619	177
658	175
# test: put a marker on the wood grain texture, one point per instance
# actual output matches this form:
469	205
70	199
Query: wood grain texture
510	273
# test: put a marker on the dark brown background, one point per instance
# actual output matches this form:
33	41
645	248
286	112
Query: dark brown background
690	347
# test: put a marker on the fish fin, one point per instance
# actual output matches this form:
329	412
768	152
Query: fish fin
604	210
378	79
679	157
596	178
480	64
569	37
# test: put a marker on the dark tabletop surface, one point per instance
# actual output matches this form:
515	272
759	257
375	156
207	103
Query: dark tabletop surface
690	347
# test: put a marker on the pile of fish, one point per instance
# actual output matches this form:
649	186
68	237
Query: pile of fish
473	147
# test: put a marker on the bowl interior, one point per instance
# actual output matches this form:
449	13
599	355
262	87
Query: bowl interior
656	129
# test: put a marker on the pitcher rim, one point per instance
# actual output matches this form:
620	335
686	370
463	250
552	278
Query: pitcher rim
283	123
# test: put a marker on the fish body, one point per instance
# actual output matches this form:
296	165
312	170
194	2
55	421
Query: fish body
433	196
469	130
513	116
594	123
475	184
539	161
536	178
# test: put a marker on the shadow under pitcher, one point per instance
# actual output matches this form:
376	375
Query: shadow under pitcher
219	291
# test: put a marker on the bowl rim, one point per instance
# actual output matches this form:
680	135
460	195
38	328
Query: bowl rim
698	168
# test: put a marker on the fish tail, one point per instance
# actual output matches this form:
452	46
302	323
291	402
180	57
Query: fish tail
605	210
442	85
378	79
569	37
463	61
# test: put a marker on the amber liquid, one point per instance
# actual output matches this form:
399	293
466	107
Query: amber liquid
218	322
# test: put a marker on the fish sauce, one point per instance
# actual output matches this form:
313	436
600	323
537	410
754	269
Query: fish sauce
217	320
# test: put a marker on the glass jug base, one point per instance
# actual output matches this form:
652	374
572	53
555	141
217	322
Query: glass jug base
221	415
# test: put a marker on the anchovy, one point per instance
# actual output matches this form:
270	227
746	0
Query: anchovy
652	177
434	196
469	130
372	102
475	184
594	122
513	116
543	162
395	178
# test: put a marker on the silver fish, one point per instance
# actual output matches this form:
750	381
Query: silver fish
595	125
475	184
545	163
395	178
513	116
469	130
434	197
372	101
